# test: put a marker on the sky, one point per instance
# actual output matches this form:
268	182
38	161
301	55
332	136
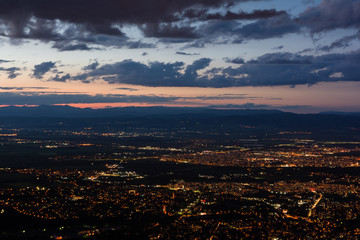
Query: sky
298	56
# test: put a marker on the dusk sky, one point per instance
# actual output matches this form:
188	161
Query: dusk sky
291	55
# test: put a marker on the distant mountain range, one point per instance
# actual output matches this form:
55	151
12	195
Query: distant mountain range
248	122
71	112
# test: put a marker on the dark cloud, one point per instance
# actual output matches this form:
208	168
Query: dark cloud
34	98
139	44
21	88
168	30
92	12
12	72
229	15
64	46
76	25
38	19
4	61
186	54
77	38
128	89
42	68
222	97
154	74
11	88
232	31
220	28
307	2
191	70
91	66
13	75
67	36
267	28
270	69
39	98
279	47
73	25
306	50
341	43
235	60
59	78
292	69
282	58
332	14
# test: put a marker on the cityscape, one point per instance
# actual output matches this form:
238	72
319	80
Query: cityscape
92	182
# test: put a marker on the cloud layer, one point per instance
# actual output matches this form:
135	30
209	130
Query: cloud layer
271	69
181	26
76	25
80	24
